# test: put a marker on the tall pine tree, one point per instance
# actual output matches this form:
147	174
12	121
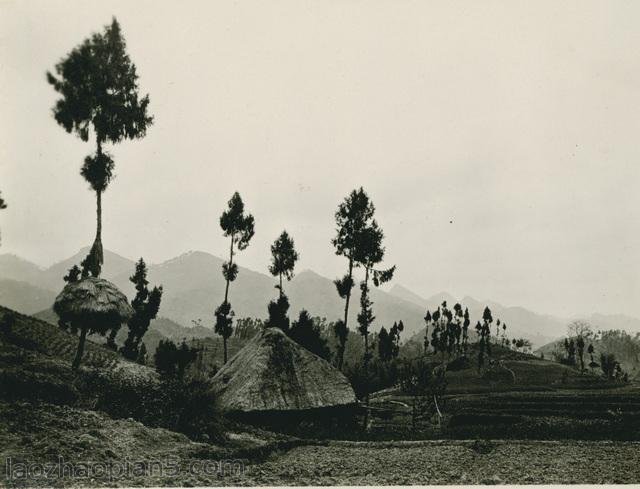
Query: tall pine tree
369	252
353	216
98	85
239	227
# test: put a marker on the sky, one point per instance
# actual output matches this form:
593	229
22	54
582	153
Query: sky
498	140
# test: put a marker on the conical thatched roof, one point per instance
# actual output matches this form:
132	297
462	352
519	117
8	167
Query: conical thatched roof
93	301
272	372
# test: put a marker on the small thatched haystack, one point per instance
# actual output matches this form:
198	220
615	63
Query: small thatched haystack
94	301
272	372
92	305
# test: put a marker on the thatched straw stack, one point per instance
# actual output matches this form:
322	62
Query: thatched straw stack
93	302
272	372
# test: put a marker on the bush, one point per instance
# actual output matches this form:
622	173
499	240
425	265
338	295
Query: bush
380	375
186	406
171	361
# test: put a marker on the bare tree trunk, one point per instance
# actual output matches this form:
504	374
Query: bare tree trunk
97	244
80	351
346	316
366	355
226	296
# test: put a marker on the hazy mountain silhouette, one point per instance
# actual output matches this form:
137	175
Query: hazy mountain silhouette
521	322
13	267
193	288
25	297
114	265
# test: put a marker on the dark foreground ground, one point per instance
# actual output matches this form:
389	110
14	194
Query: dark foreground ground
451	462
33	438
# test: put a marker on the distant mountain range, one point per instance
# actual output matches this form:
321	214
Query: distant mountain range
193	288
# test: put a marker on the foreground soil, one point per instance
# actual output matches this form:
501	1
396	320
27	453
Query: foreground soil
450	462
163	458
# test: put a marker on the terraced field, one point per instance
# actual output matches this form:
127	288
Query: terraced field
42	337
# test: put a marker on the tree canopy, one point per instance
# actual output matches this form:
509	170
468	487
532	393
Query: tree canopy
283	258
98	85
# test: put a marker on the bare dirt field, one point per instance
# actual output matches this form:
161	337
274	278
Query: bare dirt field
450	462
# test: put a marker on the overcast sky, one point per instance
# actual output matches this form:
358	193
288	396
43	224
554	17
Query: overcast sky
500	141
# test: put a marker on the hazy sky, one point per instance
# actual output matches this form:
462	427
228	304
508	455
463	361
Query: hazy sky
500	141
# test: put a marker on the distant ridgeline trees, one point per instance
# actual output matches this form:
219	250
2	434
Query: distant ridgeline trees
99	98
240	228
613	349
450	332
447	334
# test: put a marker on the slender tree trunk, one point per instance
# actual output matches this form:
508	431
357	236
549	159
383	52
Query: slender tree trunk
346	316
80	351
366	354
226	290
226	296
280	286
96	249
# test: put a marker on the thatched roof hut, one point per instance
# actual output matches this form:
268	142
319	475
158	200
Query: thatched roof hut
274	373
93	301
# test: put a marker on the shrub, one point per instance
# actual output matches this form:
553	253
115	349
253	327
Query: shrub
186	406
380	375
171	360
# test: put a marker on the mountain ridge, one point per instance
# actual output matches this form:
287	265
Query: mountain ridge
194	287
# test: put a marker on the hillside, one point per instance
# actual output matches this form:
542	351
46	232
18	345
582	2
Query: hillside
625	347
159	329
25	297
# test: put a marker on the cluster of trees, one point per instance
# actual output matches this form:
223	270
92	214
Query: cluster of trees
580	342
359	239
450	332
521	344
389	342
239	226
172	360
